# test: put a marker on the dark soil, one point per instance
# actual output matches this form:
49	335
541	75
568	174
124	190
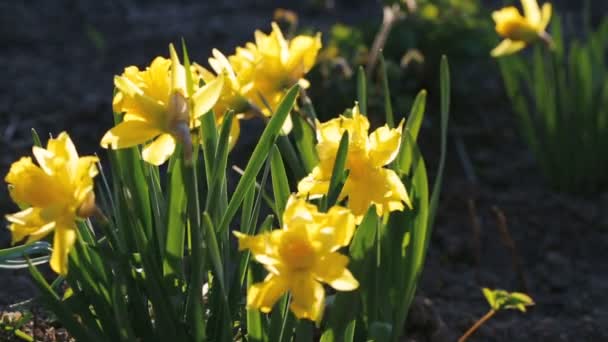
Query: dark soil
60	58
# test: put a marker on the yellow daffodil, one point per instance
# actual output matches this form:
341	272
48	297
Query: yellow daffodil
55	192
233	96
274	64
519	31
300	257
368	183
158	106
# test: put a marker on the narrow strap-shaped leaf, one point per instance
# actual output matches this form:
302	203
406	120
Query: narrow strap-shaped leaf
403	162
445	115
280	184
218	269
219	169
260	153
337	175
176	219
189	81
208	131
255	330
196	310
362	90
412	226
304	137
388	107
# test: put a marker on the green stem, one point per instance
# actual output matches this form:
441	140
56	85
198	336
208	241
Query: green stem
476	326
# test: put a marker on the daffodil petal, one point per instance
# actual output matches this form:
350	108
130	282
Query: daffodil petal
308	297
135	102
158	151
312	186
26	180
206	97
384	145
62	244
531	11
342	224
331	269
507	47
545	16
178	72
262	246
29	222
128	134
264	295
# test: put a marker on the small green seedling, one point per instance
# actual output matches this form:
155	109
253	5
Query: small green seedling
499	300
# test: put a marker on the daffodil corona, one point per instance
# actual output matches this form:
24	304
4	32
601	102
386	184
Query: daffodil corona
300	257
55	192
159	107
519	31
368	183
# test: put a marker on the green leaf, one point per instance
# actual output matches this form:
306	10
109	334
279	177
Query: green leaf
189	81
362	90
414	122
255	330
445	115
218	182
388	107
410	231
36	138
176	219
338	175
304	137
280	184
380	331
260	153
503	300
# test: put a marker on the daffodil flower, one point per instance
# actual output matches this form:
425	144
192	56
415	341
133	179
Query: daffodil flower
158	106
274	64
55	192
300	257
368	183
519	31
233	96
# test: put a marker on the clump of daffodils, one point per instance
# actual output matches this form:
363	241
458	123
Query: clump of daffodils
368	182
159	109
519	31
54	194
300	257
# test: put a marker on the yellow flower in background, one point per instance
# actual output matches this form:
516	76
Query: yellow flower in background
300	257
519	31
368	183
274	64
55	192
233	95
158	107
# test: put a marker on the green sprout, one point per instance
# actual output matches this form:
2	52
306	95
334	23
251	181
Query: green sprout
499	300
